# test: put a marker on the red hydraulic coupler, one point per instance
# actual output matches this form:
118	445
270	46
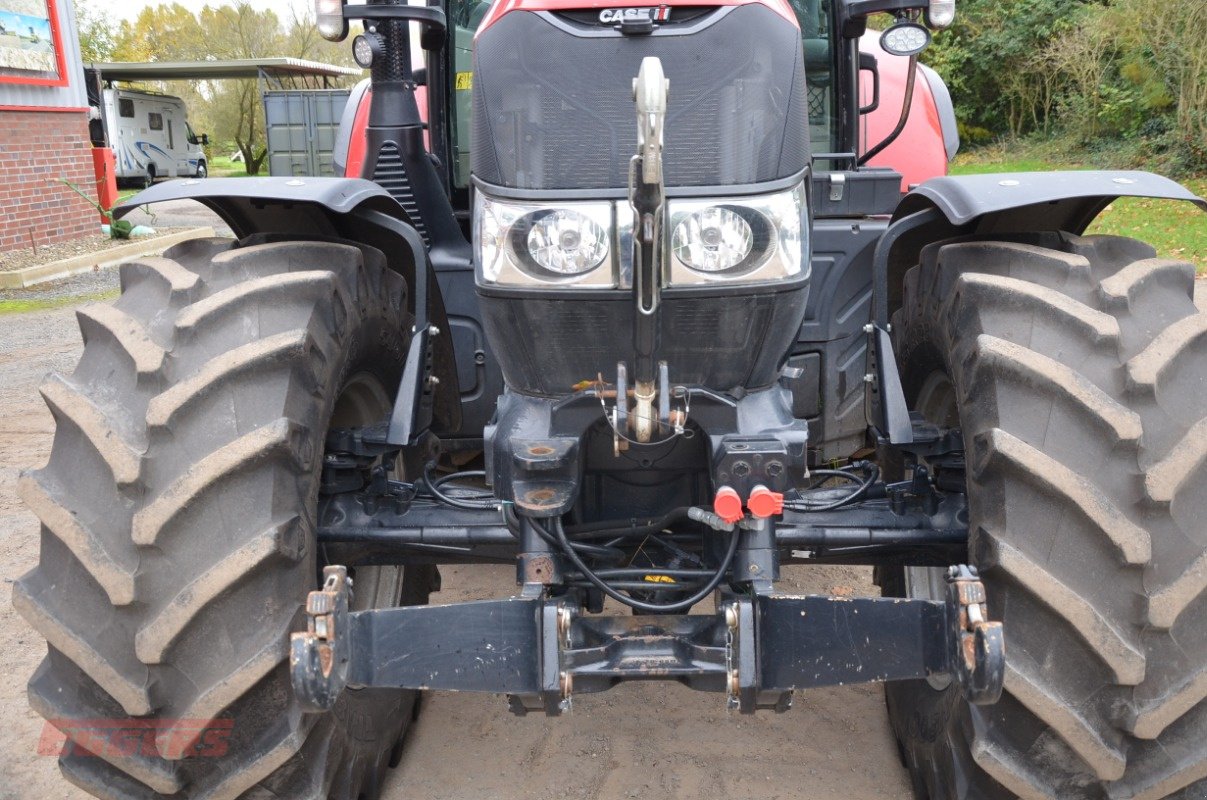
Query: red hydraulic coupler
764	503
728	505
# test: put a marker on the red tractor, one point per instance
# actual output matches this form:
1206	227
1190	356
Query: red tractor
618	298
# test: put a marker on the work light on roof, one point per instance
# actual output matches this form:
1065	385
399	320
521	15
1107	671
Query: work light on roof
367	49
905	39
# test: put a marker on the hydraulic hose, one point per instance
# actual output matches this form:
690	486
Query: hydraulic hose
654	608
803	505
627	527
433	487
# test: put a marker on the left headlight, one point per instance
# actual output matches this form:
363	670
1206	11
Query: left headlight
519	244
736	239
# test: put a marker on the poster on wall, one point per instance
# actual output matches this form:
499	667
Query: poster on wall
31	44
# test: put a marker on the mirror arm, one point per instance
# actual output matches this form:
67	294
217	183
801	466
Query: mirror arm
853	14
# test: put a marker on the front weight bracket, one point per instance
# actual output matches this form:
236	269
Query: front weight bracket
319	656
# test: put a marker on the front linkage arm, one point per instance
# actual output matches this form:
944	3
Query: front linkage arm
540	651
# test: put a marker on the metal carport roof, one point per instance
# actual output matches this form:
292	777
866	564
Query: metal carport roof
270	68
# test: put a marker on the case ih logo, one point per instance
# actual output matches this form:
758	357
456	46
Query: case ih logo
107	738
616	16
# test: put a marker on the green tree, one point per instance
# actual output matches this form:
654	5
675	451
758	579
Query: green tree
98	37
989	60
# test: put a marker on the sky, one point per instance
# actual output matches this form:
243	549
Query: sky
129	9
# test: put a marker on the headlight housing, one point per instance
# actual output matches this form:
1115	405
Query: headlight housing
587	245
525	244
941	13
736	239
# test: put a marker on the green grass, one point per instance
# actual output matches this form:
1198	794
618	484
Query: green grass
25	306
223	167
1178	230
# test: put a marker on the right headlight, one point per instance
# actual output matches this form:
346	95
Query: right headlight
523	244
736	239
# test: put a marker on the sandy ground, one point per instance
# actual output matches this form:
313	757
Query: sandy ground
645	740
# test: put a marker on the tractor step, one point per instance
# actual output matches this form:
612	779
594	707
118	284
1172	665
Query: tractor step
541	651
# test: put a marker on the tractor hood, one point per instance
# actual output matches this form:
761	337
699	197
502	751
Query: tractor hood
553	103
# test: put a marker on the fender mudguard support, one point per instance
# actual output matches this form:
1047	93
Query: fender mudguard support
360	211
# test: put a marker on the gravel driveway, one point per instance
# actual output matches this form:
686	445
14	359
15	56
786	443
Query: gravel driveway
640	740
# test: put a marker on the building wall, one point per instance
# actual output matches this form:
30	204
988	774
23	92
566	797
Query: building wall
38	148
44	137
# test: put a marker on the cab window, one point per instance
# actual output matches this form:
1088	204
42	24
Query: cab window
816	32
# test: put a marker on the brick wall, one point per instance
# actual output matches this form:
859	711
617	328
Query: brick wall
36	149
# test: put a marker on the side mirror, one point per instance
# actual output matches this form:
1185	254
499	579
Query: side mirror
419	75
205	139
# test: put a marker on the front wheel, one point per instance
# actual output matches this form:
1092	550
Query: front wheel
178	513
1076	368
202	172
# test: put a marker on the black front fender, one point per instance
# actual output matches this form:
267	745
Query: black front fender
273	205
943	208
352	209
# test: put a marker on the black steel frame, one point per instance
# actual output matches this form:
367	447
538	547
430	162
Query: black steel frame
540	651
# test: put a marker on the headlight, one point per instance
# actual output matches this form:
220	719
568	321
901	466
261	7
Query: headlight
561	242
715	239
941	13
521	244
741	240
329	19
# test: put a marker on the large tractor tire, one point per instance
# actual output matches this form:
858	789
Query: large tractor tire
178	515
1076	368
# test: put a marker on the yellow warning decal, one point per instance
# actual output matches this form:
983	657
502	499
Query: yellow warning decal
465	81
659	579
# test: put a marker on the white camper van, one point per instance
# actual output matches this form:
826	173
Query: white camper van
151	137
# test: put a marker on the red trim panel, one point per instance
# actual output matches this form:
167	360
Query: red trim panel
356	144
502	7
44	108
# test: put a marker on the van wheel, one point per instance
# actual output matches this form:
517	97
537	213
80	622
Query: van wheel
149	178
202	172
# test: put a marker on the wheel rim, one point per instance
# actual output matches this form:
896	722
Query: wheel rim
937	403
362	401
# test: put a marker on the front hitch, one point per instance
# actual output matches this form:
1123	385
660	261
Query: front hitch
541	651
